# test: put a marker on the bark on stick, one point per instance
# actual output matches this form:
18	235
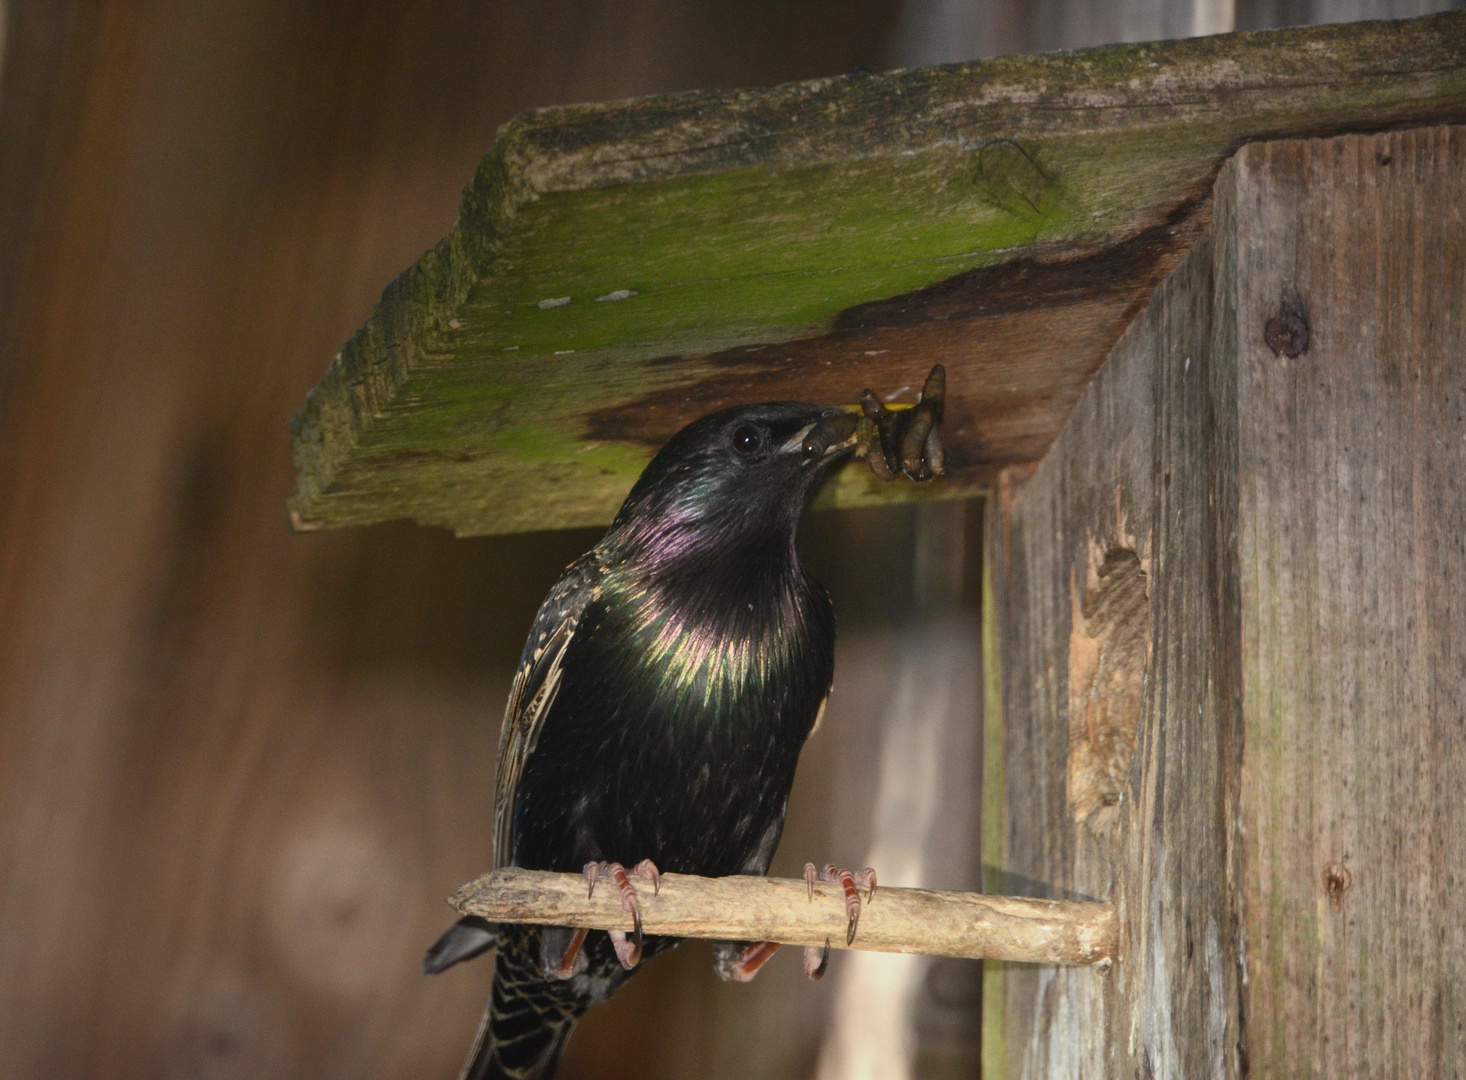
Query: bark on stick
924	921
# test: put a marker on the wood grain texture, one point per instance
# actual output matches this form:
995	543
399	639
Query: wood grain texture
1007	218
271	755
926	922
1352	519
1139	478
1286	853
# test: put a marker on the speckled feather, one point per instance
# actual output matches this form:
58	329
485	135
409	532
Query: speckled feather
665	691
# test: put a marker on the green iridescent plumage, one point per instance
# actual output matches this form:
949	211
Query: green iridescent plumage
666	689
699	662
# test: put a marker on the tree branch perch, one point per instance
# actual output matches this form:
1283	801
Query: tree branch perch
779	909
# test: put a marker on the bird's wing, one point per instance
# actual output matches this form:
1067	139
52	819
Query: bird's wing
534	689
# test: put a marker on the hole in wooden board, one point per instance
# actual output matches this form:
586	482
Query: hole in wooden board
1109	649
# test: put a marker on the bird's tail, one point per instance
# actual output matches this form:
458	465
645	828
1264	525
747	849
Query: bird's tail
526	1024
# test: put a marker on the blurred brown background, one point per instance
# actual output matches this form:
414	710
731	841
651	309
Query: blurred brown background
240	769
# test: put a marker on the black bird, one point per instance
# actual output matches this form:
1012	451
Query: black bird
669	682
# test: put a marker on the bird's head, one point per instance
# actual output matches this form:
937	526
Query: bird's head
738	476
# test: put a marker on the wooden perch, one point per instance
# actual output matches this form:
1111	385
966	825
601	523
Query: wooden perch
779	909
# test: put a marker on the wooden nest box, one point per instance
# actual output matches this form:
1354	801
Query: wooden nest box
1201	309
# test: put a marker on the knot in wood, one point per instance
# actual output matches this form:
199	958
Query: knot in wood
1287	334
1337	880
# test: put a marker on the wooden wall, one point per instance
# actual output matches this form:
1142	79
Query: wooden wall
1232	665
240	769
1117	611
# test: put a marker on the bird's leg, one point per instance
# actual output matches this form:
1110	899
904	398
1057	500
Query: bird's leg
741	961
848	882
627	951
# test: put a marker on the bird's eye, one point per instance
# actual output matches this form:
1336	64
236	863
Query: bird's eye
748	439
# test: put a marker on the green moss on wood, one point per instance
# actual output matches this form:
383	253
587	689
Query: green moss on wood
754	218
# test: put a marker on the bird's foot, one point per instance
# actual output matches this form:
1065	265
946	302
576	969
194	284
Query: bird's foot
847	881
628	951
740	961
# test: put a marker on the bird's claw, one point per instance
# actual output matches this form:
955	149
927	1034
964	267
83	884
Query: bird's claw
905	440
648	869
627	951
848	882
816	960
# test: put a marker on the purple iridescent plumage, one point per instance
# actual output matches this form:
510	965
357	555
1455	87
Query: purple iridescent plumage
666	689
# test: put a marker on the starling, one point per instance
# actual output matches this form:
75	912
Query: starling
669	682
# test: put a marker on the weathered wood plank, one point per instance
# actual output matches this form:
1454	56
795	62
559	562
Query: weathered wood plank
1270	792
1116	661
1352	518
1006	218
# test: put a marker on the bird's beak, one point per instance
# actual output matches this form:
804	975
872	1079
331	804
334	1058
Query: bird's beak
829	436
